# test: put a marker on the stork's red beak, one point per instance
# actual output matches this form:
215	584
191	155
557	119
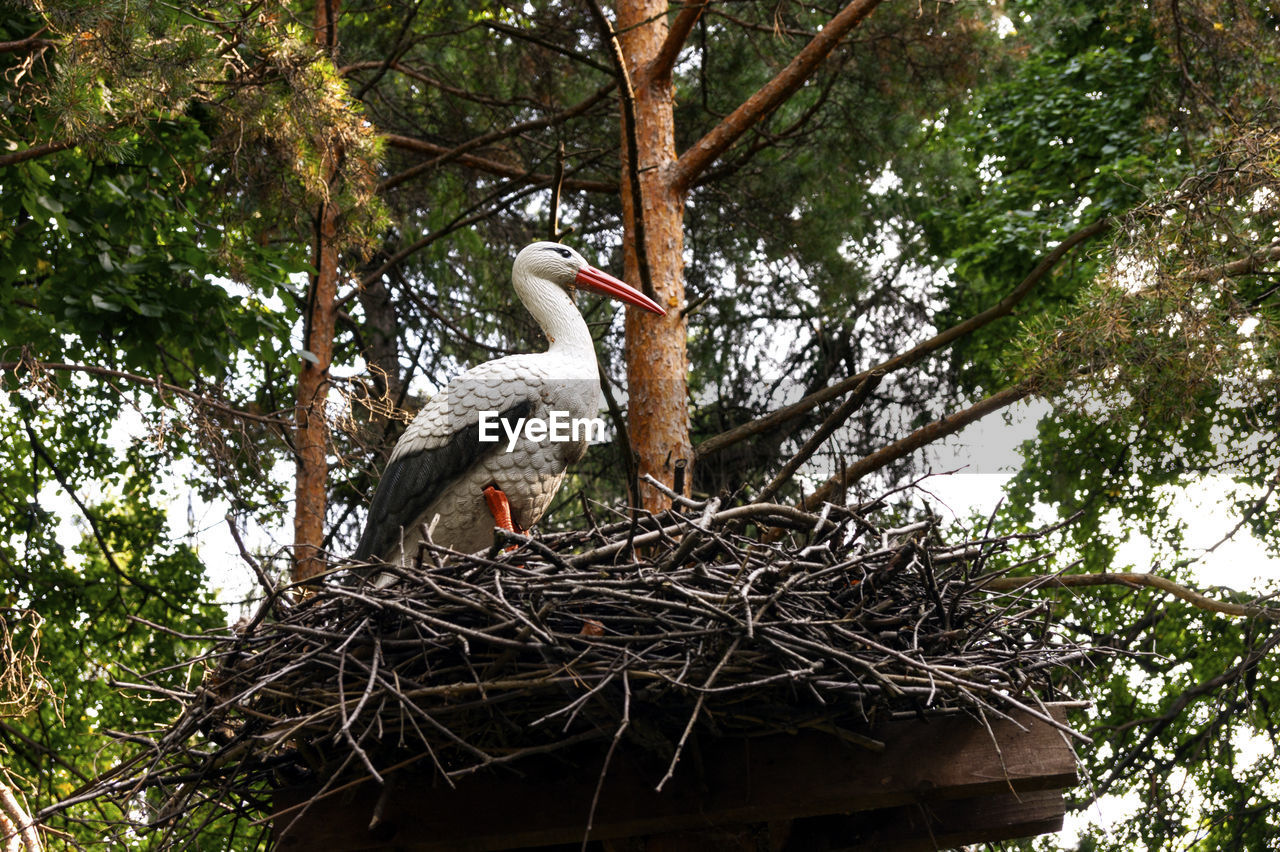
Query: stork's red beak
599	281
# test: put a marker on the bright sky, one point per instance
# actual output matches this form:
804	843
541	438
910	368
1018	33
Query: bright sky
990	448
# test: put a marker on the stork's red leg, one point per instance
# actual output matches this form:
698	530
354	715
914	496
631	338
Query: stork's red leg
499	508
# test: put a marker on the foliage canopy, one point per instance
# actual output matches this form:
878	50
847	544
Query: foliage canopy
159	181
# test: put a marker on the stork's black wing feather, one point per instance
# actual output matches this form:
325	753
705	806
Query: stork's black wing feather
413	481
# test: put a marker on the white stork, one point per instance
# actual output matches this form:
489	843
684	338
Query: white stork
441	471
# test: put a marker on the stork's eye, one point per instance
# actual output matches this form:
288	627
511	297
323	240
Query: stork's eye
563	252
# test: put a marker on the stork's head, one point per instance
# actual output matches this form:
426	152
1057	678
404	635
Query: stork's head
562	266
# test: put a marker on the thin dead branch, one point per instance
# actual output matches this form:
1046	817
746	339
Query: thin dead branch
939	341
1133	581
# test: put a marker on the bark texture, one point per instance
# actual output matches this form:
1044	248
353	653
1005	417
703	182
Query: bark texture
311	433
657	359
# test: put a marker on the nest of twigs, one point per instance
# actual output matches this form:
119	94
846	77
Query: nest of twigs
749	620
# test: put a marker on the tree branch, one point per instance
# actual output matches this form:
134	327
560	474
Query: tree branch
1119	767
765	140
833	422
623	439
659	69
94	527
19	823
434	82
771	95
493	136
1004	307
31	42
1247	265
1130	580
526	35
482	164
156	384
484	209
917	439
37	151
401	45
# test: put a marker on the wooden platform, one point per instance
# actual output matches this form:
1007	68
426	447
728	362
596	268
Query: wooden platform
935	785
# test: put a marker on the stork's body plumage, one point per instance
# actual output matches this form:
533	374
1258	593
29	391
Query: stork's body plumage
440	468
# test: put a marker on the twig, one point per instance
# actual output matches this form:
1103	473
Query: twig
833	422
198	399
608	757
1131	580
693	716
263	580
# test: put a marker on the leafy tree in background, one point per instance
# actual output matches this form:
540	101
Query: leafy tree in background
1160	355
169	176
149	157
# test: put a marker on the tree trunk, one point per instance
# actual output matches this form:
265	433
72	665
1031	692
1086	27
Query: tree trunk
311	436
657	359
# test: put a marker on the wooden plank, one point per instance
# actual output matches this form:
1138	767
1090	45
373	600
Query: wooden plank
749	837
907	828
946	824
727	782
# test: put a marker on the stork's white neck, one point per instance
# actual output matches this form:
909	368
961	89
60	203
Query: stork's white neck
555	312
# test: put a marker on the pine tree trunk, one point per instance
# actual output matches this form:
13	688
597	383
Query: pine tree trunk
311	435
657	357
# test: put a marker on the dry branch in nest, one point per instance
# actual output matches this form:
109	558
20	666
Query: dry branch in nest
652	632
